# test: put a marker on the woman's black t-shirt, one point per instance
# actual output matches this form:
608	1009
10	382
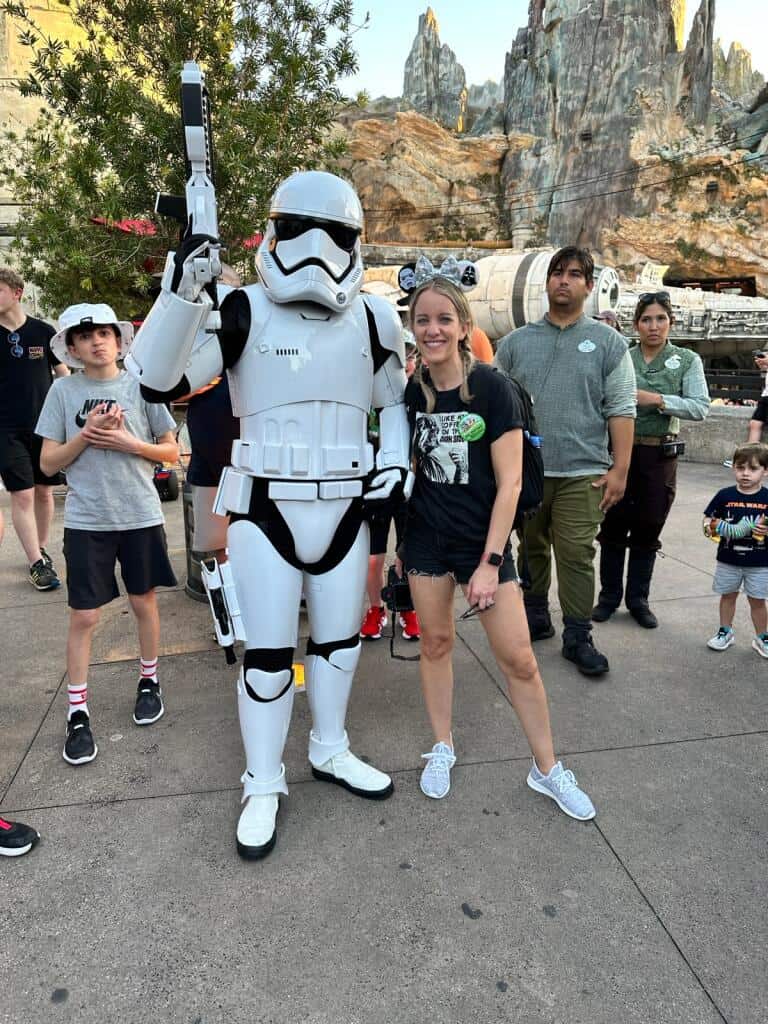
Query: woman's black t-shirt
455	484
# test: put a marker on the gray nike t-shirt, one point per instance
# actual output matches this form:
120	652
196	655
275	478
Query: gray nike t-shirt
108	490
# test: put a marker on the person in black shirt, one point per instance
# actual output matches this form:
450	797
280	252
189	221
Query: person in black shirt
737	516
466	426
26	362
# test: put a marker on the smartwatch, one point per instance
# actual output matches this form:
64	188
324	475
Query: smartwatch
494	558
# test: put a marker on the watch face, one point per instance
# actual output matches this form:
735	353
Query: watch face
495	559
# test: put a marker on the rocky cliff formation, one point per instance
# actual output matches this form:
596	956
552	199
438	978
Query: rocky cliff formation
596	85
605	136
734	74
434	83
420	183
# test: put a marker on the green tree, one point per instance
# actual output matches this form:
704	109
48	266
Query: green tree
109	135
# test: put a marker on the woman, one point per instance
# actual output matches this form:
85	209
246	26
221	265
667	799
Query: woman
458	532
670	386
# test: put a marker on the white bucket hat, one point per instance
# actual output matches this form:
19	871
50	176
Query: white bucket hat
87	313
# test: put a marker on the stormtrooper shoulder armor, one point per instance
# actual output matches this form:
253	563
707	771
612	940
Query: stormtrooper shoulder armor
385	331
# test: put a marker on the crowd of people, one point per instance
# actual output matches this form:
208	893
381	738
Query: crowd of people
609	415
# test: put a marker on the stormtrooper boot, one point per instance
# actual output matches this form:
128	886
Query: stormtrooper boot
265	702
328	683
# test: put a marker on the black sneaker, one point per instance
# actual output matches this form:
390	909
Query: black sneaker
149	703
43	576
16	839
46	558
79	747
585	656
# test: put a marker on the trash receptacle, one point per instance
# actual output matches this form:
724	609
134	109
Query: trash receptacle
194	587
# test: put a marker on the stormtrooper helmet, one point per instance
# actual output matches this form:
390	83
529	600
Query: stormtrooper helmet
311	248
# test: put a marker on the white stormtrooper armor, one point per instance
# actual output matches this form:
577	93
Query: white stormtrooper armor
307	357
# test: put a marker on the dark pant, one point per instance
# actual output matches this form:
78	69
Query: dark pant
638	519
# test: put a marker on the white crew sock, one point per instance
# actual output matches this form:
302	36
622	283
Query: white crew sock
78	698
148	670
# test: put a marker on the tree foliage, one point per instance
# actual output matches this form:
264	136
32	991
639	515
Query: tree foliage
109	135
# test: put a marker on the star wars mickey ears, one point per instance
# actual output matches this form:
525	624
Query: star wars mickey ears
462	273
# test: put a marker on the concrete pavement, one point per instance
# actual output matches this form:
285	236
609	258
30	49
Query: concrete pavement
488	906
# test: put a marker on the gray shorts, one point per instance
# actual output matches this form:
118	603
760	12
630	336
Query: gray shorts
730	578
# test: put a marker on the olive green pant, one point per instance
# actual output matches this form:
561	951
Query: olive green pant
567	522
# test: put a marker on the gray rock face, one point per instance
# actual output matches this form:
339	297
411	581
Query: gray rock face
584	79
696	85
734	74
434	83
485	108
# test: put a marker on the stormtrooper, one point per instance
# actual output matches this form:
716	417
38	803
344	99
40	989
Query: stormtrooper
307	357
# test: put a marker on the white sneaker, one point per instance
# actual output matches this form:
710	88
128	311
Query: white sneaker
760	644
435	780
722	639
355	775
256	831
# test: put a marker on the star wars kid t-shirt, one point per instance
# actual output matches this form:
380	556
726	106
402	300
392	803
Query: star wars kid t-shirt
108	490
732	506
455	484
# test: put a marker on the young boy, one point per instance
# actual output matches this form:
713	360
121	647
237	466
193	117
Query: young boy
97	426
26	366
737	515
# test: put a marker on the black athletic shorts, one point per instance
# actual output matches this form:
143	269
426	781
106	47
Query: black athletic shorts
428	553
20	460
91	556
379	527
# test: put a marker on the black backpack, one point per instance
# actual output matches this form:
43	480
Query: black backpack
532	490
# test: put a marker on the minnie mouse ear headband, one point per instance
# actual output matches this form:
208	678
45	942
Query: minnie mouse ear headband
462	273
88	314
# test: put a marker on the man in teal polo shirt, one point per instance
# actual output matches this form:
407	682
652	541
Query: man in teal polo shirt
580	376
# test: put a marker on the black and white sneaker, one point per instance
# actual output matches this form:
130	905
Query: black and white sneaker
43	576
16	839
149	703
46	558
79	747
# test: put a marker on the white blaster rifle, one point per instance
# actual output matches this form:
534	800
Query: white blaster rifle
197	211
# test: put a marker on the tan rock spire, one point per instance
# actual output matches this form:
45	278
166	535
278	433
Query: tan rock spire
678	17
431	20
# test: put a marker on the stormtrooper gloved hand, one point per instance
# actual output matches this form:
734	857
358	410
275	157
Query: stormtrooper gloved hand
196	265
385	489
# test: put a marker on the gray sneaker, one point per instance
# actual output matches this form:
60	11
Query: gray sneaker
722	639
436	778
560	785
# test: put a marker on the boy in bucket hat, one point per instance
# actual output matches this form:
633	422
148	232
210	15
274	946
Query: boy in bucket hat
97	425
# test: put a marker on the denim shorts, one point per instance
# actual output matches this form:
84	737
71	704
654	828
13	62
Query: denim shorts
428	553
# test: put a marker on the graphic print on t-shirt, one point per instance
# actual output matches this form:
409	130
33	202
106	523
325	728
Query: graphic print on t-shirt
89	404
441	453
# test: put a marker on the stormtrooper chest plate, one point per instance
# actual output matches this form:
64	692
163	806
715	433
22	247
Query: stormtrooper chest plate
302	389
301	353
